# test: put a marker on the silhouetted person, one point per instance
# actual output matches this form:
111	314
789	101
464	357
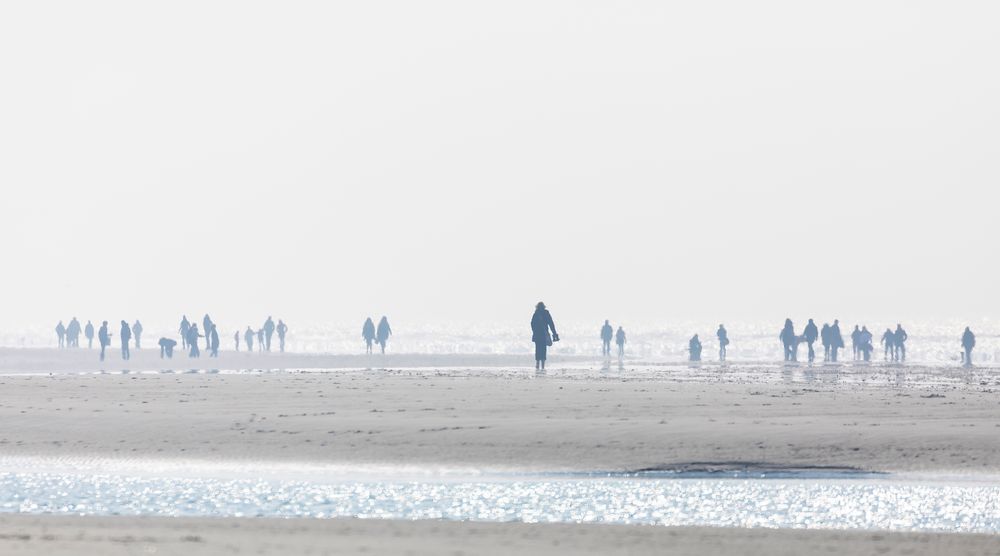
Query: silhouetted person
856	342
789	341
694	348
824	337
723	337
889	345
607	333
103	338
382	333
836	340
901	338
236	340
167	348
248	337
192	341
368	333
73	333
541	324
968	342
137	334
620	340
206	325
810	333
268	332
88	331
282	329
865	345
61	333
260	340
185	327
126	336
214	341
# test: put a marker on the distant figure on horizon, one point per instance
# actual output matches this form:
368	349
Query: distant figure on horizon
620	340
968	342
206	325
865	344
214	341
824	337
236	340
185	327
73	333
103	338
856	342
61	333
192	341
268	332
607	333
789	341
810	333
137	334
248	337
889	345
694	348
260	340
383	332
282	330
836	340
723	337
901	338
167	348
126	336
368	333
541	324
88	331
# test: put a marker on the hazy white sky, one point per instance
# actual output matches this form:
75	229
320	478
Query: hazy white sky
462	160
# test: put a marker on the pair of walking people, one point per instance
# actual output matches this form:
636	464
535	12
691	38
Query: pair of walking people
378	335
607	334
829	336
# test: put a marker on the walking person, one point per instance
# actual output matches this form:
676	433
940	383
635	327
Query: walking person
248	337
810	333
620	340
541	324
214	341
865	345
789	341
137	333
723	337
968	342
104	338
901	338
856	342
126	336
268	332
185	326
889	345
824	337
73	333
192	341
607	333
836	340
368	333
88	331
382	333
61	333
282	330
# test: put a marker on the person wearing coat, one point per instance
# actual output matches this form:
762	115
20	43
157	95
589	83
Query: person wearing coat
541	324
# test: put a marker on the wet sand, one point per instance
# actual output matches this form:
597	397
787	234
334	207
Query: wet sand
67	535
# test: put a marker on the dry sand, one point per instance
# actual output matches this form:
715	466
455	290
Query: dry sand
507	419
63	535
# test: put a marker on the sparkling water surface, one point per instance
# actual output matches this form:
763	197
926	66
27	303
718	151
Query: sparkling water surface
844	503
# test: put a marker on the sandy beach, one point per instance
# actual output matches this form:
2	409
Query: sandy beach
579	416
63	535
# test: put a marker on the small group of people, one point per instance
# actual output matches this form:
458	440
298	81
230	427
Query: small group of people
375	335
607	334
189	337
69	336
894	344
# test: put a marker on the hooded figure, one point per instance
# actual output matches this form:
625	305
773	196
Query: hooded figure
694	348
541	324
